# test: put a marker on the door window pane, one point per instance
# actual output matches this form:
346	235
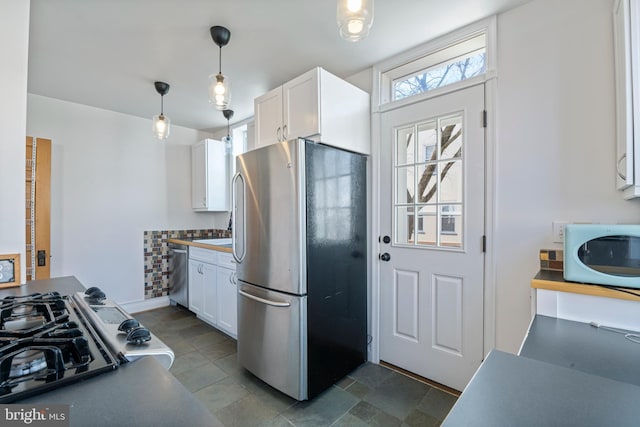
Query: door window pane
404	218
427	142
451	226
427	183
451	182
405	148
428	219
451	137
405	184
428	187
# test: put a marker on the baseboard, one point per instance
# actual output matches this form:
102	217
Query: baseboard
144	305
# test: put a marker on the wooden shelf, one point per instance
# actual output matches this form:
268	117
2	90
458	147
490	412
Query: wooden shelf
553	281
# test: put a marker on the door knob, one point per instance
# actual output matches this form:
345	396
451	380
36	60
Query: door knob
385	257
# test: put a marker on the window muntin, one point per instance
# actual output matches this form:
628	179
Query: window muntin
428	183
461	59
456	70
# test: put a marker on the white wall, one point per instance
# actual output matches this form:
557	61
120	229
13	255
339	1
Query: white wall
14	33
555	147
111	181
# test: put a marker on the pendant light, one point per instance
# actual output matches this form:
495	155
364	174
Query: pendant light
161	123
355	18
228	114
219	86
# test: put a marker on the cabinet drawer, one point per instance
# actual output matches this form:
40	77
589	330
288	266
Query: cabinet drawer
204	255
226	260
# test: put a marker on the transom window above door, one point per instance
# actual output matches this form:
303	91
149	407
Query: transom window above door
428	183
460	59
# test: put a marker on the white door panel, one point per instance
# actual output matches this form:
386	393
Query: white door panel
432	207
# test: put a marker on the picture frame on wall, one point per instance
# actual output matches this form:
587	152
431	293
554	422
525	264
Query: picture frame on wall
9	270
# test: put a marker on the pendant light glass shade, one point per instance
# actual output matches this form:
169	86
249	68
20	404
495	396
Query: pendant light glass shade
219	91
355	18
161	123
219	85
161	126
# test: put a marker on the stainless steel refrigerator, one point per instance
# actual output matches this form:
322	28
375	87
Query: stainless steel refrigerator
300	243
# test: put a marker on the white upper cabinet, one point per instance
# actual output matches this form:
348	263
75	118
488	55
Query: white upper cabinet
210	176
626	24
316	105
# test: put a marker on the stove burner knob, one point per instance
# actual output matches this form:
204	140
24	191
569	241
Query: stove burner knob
92	290
138	335
128	325
96	295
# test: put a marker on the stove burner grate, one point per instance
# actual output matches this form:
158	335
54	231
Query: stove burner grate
45	342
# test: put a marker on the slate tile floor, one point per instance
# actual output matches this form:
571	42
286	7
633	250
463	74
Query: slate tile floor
206	365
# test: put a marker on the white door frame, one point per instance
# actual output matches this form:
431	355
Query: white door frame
490	84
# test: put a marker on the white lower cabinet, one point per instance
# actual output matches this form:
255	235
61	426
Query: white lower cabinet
212	288
227	301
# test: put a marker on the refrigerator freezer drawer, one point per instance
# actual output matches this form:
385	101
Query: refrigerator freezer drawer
273	345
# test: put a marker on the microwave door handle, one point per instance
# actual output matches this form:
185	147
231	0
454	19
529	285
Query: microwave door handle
234	218
264	301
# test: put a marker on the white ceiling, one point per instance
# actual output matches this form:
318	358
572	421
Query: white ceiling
108	53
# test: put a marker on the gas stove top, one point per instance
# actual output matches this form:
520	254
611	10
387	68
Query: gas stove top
44	343
49	340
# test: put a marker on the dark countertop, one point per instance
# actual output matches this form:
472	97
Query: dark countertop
580	346
568	373
141	393
509	390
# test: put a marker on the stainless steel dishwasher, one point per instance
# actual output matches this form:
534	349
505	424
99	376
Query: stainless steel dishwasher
178	275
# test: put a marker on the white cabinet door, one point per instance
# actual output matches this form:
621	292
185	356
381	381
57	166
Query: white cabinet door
196	286
209	293
210	163
316	105
268	118
626	26
198	176
227	301
301	106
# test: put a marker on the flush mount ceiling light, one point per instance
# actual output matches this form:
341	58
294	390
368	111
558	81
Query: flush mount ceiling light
228	114
219	86
161	123
355	18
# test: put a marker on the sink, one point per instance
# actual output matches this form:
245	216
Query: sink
217	242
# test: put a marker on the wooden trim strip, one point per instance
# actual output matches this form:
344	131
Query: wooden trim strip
554	282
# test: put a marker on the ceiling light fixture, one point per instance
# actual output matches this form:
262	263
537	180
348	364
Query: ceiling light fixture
219	86
228	114
161	123
355	18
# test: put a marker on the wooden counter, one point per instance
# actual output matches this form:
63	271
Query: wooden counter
554	281
200	245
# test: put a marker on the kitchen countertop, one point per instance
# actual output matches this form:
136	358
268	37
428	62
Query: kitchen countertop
200	245
554	281
567	373
141	393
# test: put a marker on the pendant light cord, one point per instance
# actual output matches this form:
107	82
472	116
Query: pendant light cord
220	59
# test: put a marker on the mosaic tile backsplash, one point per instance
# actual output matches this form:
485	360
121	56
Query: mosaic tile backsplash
156	256
552	259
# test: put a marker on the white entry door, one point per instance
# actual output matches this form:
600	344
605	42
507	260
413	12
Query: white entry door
432	227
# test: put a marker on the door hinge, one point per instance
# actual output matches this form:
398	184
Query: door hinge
484	243
484	118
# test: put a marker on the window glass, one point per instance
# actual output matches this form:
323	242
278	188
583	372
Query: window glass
428	183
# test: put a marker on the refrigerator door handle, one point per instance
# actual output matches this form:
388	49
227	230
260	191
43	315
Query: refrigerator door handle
234	218
264	301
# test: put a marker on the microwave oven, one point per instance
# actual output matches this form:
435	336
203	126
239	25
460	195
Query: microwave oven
602	254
